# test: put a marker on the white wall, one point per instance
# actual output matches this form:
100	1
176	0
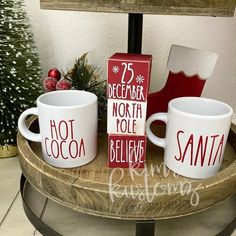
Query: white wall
61	36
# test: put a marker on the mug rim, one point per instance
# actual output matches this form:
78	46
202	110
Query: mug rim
92	100
189	98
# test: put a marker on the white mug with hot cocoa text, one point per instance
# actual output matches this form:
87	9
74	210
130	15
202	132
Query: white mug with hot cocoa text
68	127
196	135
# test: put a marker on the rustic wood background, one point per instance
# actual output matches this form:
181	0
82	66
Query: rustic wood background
162	7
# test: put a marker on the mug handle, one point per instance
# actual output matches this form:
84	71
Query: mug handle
23	128
153	138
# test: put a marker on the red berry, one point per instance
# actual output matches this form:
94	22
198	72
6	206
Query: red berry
49	84
55	73
63	84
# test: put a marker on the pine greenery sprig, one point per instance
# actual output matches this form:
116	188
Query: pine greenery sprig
84	76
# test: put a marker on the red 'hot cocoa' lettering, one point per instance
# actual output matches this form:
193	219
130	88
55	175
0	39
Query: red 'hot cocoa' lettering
46	146
62	143
82	147
71	128
65	128
55	149
75	148
61	149
53	127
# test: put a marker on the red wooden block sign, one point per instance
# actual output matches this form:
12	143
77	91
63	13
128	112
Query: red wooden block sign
127	91
129	76
126	151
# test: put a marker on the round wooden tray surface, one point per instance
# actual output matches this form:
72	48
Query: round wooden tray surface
150	193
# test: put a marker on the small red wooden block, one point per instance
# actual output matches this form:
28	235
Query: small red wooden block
126	117
129	76
127	91
126	151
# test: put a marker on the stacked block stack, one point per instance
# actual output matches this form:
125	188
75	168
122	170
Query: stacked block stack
127	91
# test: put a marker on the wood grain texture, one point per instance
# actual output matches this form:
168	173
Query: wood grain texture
86	189
162	7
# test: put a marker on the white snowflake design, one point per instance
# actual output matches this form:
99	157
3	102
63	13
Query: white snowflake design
139	79
115	69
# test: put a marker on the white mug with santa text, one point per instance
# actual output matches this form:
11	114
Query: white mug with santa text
68	127
196	135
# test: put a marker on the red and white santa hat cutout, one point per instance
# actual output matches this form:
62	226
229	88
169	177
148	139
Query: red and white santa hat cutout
191	61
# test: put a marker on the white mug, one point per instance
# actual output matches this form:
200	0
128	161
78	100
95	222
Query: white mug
68	127
196	134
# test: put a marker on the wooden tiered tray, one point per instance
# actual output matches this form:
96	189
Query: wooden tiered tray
151	193
163	7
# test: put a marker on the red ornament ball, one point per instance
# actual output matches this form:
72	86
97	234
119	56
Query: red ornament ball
55	73
49	84
63	84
